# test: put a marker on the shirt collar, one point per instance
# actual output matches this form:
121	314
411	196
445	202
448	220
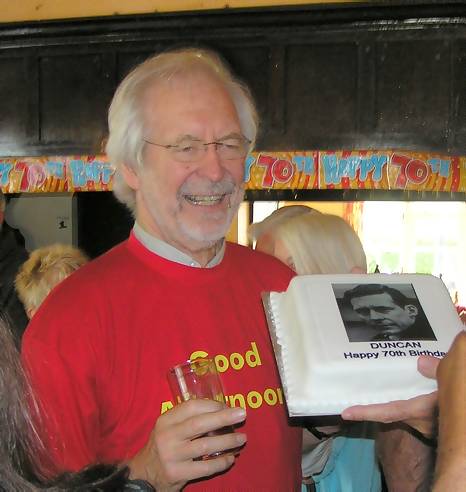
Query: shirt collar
169	252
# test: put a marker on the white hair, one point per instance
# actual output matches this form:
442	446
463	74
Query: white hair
321	244
126	120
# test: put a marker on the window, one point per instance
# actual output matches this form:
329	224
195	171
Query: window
404	237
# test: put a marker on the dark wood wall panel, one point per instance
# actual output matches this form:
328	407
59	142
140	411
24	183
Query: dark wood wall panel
253	69
413	90
127	60
459	100
321	93
15	100
73	98
335	76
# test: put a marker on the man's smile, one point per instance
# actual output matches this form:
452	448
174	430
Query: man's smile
205	200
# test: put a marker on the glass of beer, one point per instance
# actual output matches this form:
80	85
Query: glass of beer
199	379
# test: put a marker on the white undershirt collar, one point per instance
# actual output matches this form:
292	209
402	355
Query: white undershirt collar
169	252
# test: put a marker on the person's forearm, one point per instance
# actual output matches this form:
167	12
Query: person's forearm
407	462
450	470
450	474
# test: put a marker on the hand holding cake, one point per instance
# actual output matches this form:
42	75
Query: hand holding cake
418	412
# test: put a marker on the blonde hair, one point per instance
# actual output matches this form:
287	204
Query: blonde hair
125	144
45	268
276	217
321	243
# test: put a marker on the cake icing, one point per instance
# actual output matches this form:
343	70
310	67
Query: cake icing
323	372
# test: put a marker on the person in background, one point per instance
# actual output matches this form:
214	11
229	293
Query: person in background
318	243
450	470
45	268
421	412
262	232
310	242
334	459
98	350
12	255
24	462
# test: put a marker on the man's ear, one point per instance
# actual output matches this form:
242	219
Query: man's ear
130	176
412	310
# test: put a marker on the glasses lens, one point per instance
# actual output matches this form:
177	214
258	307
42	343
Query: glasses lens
193	150
188	151
232	149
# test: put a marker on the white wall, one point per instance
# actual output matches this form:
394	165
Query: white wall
44	218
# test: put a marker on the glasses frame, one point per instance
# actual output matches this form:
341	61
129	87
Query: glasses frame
204	144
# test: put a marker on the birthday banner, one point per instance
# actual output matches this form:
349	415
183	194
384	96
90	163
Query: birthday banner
297	170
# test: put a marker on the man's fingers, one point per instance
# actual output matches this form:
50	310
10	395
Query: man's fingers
395	411
206	468
184	467
379	412
207	445
187	432
417	412
179	413
427	366
195	418
201	424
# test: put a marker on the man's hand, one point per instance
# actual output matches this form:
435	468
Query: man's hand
419	412
181	435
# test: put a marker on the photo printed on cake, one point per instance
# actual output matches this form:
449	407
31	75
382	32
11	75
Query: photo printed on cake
375	312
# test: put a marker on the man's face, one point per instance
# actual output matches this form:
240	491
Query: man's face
188	205
381	312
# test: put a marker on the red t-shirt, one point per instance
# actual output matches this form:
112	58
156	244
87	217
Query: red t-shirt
99	348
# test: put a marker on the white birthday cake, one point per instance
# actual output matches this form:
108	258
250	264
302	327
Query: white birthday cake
343	340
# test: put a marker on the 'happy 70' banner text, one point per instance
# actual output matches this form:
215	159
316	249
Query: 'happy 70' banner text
297	170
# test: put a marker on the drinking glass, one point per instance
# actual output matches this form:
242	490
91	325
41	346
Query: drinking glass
199	379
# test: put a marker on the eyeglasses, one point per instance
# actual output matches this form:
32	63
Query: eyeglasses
190	150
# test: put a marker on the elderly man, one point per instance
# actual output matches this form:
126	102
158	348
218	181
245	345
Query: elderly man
12	256
98	351
100	348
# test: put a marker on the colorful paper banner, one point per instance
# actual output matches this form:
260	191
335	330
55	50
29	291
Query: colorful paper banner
298	170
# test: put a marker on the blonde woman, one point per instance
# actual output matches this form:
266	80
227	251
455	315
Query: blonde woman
309	242
45	268
313	243
344	460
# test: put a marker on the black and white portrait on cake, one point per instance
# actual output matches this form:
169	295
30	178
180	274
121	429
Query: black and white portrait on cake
375	312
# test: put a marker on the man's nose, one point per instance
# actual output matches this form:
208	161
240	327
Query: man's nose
375	315
211	165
